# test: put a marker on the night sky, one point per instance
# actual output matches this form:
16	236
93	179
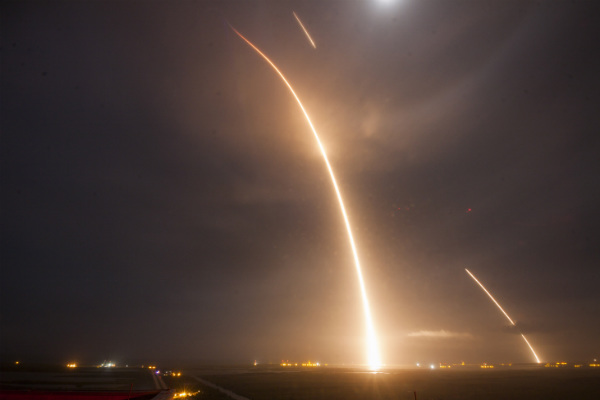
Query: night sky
163	198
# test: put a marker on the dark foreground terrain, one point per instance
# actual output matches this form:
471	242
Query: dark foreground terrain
60	378
274	382
58	382
332	384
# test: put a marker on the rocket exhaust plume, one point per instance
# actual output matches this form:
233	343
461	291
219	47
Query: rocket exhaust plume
505	314
305	31
374	360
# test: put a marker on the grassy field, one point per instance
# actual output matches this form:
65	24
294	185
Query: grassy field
332	384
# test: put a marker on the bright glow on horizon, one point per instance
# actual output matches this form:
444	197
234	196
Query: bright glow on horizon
374	360
185	394
505	314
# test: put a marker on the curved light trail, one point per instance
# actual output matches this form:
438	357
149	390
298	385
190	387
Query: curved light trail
505	314
373	357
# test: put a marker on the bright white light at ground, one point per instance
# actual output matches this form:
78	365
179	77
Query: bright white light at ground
432	366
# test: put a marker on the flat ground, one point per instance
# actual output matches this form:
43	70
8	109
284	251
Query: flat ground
332	384
64	379
85	379
274	382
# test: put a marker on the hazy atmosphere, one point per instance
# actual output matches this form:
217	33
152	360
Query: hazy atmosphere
163	197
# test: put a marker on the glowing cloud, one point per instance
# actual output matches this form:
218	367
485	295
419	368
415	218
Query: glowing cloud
373	357
441	334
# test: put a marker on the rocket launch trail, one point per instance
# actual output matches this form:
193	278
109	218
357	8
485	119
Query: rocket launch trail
504	312
305	31
373	357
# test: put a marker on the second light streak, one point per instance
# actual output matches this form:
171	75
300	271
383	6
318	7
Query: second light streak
503	312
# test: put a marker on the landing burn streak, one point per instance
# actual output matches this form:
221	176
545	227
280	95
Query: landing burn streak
373	357
505	314
304	29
